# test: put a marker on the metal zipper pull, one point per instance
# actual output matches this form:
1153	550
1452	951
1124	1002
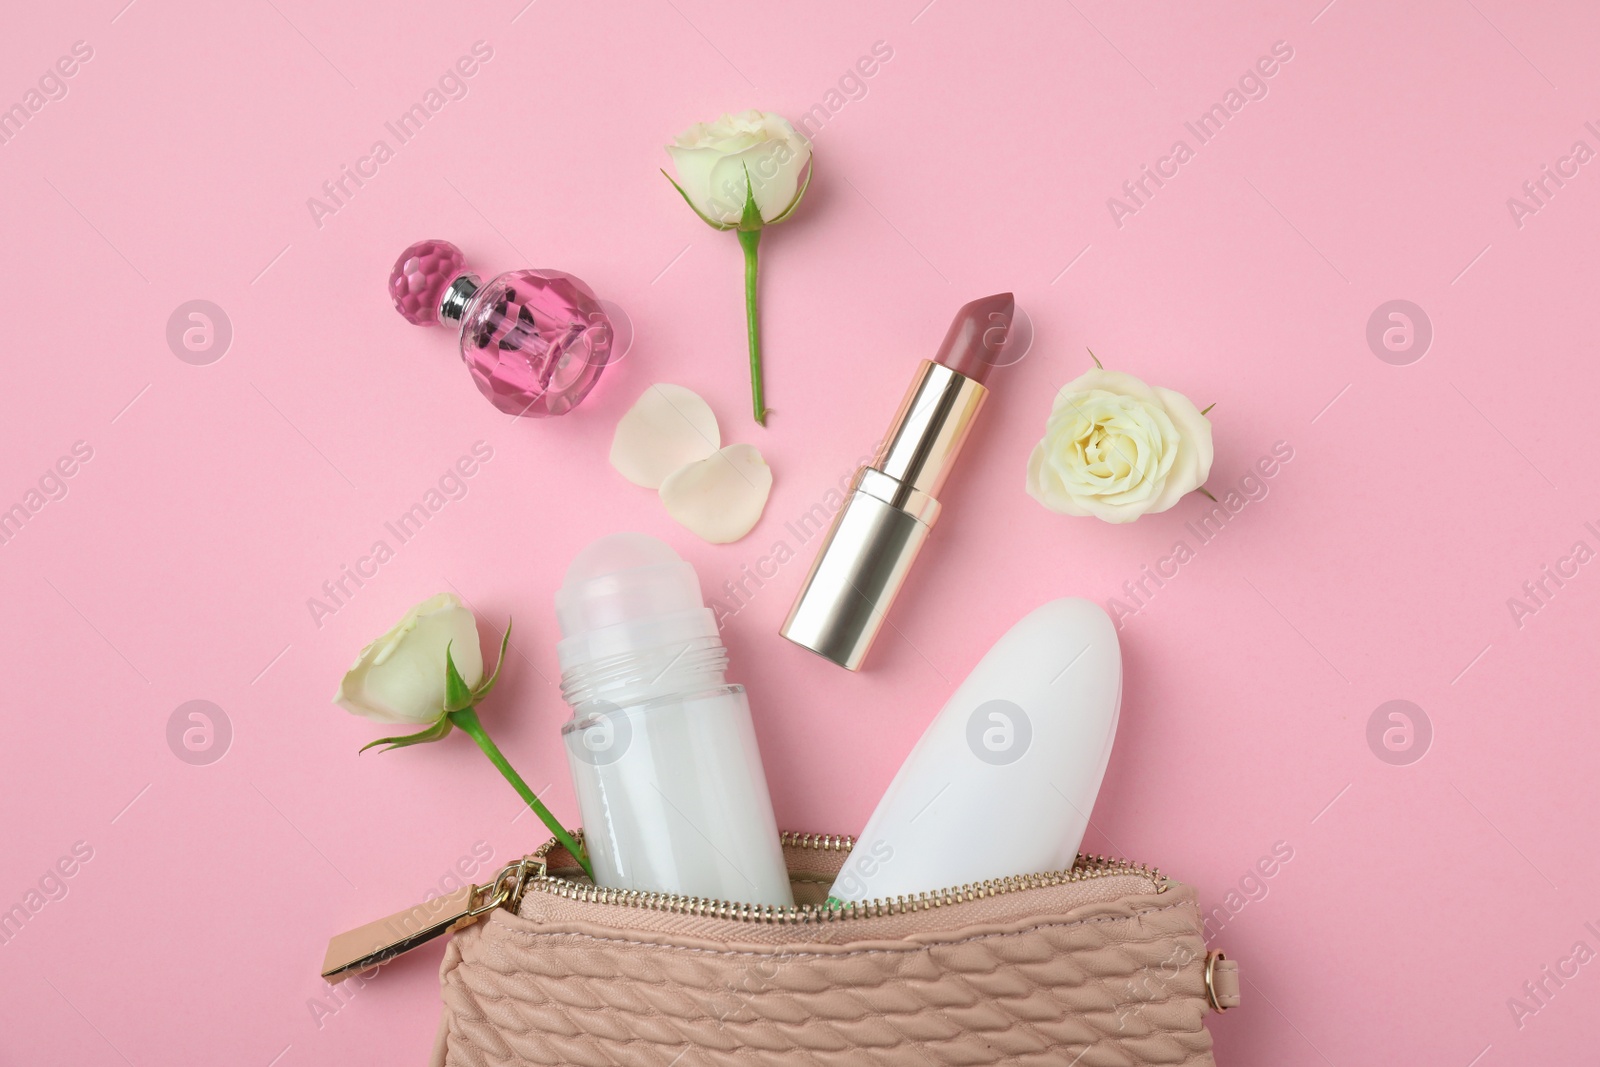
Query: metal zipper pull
378	942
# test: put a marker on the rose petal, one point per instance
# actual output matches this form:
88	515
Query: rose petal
1110	381
667	427
1193	465
694	166
1044	485
720	498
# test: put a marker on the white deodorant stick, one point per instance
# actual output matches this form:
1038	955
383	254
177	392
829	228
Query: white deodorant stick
1003	780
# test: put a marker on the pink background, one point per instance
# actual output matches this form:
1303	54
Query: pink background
219	498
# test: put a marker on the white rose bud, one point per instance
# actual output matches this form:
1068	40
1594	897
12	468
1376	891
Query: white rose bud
404	677
711	159
743	172
400	677
1116	448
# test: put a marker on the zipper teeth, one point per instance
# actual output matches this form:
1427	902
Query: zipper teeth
1087	868
821	842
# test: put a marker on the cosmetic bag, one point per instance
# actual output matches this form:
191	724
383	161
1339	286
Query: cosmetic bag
1104	964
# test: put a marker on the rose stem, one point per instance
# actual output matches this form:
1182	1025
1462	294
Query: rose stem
748	239
467	720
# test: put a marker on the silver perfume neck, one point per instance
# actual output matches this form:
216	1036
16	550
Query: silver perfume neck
454	303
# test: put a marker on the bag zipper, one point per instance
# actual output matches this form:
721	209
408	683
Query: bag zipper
1087	868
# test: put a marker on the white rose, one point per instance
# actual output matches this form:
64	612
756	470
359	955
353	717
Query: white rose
400	676
1116	448
711	159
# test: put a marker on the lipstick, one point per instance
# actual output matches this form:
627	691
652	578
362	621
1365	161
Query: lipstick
893	500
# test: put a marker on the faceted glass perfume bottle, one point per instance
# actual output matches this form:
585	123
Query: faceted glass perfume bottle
535	341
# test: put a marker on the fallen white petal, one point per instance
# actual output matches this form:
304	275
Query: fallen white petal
719	498
667	427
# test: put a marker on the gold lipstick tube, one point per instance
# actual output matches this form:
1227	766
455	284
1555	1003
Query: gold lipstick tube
892	505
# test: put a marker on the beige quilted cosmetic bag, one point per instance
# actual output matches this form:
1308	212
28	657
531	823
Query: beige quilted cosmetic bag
1101	965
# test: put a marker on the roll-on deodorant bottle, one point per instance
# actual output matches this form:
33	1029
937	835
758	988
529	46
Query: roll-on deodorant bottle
662	749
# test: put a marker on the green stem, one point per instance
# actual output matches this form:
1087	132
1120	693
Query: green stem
467	720
748	239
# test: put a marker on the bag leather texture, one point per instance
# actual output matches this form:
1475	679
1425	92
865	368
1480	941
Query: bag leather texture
1107	971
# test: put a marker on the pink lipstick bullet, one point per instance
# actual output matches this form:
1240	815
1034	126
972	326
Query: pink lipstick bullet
976	337
893	501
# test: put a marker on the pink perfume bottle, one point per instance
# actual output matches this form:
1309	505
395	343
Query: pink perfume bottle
534	340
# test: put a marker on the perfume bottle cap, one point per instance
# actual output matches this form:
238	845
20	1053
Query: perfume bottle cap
422	276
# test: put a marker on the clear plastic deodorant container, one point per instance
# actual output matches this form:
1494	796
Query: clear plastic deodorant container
662	748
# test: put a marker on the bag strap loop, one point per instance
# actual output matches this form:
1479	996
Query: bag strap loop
1222	981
